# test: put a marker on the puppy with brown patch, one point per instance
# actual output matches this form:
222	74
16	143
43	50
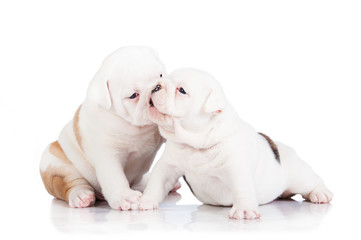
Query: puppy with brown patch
110	143
223	159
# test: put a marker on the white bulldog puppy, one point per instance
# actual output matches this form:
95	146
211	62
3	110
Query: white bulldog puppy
110	143
222	158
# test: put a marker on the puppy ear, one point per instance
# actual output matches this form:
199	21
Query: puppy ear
98	90
215	102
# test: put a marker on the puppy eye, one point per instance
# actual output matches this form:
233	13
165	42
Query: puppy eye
181	90
134	95
161	75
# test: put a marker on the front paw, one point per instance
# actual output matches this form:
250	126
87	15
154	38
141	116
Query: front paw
147	203
124	200
244	212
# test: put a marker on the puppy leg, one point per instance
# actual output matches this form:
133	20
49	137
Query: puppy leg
62	180
143	183
162	179
109	165
245	203
301	178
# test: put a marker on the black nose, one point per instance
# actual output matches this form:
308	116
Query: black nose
157	88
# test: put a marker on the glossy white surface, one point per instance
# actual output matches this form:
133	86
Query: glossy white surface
34	213
276	216
181	216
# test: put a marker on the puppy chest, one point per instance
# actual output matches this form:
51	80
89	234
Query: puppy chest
202	162
139	144
209	189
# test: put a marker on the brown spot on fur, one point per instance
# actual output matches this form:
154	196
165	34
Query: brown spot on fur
272	145
55	185
61	179
59	183
76	126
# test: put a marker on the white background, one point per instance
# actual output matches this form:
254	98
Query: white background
291	68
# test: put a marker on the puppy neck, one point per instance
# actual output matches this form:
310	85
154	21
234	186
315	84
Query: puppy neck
202	133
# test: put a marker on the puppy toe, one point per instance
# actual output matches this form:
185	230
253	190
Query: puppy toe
81	198
236	213
147	203
124	200
125	205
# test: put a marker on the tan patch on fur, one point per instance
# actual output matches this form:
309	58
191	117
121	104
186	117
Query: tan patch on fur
60	180
76	126
58	184
58	152
55	184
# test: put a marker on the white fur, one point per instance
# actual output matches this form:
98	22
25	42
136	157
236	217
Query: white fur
225	161
118	142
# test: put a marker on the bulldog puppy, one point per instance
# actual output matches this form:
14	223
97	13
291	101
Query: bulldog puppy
222	158
110	143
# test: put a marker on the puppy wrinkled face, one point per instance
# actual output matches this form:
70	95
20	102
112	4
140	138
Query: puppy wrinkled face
183	96
169	99
131	99
122	83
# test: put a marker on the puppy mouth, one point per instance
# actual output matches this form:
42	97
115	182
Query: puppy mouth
155	113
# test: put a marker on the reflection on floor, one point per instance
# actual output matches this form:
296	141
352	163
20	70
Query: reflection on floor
278	215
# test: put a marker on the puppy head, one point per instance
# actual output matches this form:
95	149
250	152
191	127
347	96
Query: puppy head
188	96
122	83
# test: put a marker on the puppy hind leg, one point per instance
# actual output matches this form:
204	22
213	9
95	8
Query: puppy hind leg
176	187
301	178
62	180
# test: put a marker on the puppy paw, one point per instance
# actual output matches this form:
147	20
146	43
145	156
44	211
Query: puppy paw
124	200
81	198
147	203
244	213
320	195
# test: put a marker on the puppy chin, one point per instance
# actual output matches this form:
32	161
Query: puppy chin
142	123
159	118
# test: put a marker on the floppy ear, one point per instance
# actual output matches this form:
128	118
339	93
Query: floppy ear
215	102
98	90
